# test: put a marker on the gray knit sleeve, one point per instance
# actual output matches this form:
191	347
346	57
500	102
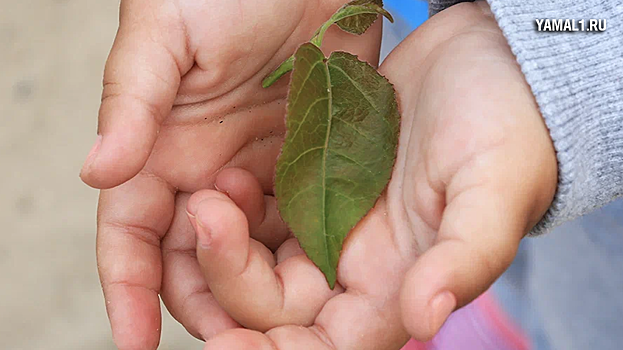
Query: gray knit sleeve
577	80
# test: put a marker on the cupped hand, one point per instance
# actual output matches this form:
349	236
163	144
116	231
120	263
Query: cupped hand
475	171
182	99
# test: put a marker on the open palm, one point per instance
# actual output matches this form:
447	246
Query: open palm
475	171
183	99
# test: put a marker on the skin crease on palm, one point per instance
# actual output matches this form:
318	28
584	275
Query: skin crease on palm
475	170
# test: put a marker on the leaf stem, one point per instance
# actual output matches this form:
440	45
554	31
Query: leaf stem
283	69
355	10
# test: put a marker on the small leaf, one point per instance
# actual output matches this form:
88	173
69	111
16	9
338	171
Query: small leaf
355	17
340	147
360	23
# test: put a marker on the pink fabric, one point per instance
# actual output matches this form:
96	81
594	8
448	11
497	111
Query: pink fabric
481	325
414	345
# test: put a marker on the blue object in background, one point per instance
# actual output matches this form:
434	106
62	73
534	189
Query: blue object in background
413	12
408	15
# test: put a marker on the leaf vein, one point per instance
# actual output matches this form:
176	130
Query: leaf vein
298	194
324	163
296	132
353	161
311	69
358	87
355	129
298	158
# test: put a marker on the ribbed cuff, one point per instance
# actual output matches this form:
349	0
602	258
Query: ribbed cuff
577	80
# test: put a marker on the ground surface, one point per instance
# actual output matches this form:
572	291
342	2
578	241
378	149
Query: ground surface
52	53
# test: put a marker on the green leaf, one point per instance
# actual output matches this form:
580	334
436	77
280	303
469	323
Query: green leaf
360	23
342	134
355	17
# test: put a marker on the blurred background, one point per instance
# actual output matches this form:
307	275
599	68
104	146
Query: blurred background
52	54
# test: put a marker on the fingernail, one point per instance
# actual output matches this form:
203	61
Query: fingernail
200	231
93	153
203	235
193	222
441	307
219	189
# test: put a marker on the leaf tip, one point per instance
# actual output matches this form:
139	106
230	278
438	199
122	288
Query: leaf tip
331	283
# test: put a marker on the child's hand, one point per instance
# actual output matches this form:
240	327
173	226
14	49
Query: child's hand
280	293
476	169
183	99
259	289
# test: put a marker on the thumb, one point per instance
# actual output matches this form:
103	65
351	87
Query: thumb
477	241
141	80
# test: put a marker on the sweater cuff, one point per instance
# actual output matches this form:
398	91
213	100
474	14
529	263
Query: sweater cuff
435	6
577	80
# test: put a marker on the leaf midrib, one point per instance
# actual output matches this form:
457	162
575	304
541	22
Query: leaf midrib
324	164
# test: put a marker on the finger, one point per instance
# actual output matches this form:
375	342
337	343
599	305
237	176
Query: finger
477	241
245	191
240	275
355	321
273	232
141	79
130	226
349	321
281	338
184	290
363	318
367	315
288	249
241	339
